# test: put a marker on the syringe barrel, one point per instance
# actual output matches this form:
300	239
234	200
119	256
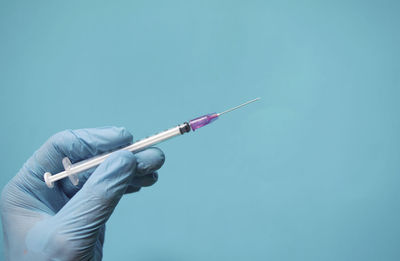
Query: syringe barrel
135	147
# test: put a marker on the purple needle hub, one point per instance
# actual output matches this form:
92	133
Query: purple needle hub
203	120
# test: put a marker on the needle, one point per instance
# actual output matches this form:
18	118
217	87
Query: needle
237	107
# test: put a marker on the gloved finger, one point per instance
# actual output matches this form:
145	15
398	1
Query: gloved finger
90	208
144	181
141	181
84	143
132	189
148	161
76	145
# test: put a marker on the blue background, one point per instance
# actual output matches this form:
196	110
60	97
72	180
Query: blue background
311	172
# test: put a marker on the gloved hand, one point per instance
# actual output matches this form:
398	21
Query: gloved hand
68	222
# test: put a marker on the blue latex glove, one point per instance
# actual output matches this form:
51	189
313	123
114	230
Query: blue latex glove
68	222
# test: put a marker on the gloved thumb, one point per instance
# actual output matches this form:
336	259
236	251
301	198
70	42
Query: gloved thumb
89	209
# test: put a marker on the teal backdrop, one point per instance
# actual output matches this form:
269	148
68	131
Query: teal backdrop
311	172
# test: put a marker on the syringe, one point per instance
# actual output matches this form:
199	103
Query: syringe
71	170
